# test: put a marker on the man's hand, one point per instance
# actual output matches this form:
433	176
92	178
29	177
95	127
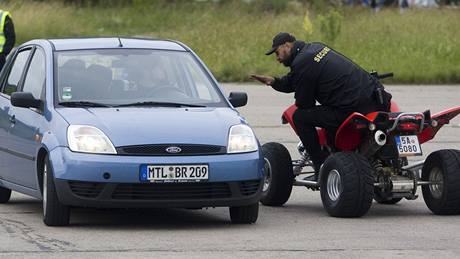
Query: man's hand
268	80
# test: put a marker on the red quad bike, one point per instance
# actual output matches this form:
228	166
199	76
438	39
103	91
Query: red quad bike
369	161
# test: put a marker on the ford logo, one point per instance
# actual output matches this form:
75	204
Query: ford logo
173	150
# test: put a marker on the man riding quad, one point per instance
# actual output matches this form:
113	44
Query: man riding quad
320	74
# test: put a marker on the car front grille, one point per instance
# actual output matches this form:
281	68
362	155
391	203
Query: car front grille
171	191
86	189
160	150
249	187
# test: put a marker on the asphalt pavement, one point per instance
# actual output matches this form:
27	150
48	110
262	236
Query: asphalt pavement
301	228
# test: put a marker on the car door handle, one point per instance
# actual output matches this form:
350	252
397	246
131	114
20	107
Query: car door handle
13	119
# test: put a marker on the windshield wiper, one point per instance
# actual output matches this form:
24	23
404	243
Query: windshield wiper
165	104
83	104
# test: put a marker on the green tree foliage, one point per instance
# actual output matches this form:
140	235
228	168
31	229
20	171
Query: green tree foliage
330	25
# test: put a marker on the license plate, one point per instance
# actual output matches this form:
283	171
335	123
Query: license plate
408	145
174	173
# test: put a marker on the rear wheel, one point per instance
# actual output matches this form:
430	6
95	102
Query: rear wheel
244	214
347	185
54	212
279	176
5	194
443	167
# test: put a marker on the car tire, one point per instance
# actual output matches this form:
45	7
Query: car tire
278	174
444	166
5	194
346	185
244	214
54	212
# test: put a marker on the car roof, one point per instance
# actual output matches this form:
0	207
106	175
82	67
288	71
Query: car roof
115	42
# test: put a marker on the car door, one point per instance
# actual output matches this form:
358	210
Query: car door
26	128
11	76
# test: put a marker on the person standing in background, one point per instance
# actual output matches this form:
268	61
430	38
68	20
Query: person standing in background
7	36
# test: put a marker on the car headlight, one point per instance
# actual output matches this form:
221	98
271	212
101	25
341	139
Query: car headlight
89	139
241	139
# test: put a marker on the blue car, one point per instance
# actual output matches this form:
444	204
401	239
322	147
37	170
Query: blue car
123	122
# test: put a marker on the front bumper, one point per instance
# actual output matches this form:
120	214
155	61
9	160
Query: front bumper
175	195
234	180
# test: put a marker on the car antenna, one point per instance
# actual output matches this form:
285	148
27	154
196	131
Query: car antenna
120	45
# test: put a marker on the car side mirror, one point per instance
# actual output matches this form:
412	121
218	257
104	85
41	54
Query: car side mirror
238	99
25	100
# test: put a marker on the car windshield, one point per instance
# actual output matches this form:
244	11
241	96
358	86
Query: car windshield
132	77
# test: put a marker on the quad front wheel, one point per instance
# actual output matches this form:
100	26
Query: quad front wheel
443	168
279	176
347	185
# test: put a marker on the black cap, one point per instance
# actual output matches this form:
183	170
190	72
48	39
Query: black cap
279	40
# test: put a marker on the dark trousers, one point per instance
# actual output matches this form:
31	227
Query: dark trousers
306	121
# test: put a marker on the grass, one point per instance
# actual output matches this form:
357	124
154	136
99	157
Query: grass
419	46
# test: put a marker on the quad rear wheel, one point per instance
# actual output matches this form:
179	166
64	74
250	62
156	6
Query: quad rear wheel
279	176
442	167
347	185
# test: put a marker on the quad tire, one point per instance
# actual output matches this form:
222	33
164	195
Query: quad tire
279	176
347	185
54	212
244	214
442	166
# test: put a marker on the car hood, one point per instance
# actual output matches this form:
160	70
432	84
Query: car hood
140	126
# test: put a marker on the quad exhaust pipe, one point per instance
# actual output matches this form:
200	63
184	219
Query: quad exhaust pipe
373	144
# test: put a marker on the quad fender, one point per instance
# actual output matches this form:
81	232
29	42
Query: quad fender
348	137
442	119
394	107
287	117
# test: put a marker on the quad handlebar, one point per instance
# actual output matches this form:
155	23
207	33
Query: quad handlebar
381	76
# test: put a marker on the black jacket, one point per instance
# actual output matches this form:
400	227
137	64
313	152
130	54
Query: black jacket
318	73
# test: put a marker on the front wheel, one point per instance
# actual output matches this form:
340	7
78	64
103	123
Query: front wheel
244	214
442	167
278	174
347	185
54	212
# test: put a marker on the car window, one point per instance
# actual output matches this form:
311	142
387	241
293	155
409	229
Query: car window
199	80
35	78
124	76
16	72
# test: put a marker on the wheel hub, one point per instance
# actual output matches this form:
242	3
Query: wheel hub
45	189
436	176
267	175
334	185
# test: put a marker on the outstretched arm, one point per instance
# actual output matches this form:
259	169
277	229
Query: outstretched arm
268	80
